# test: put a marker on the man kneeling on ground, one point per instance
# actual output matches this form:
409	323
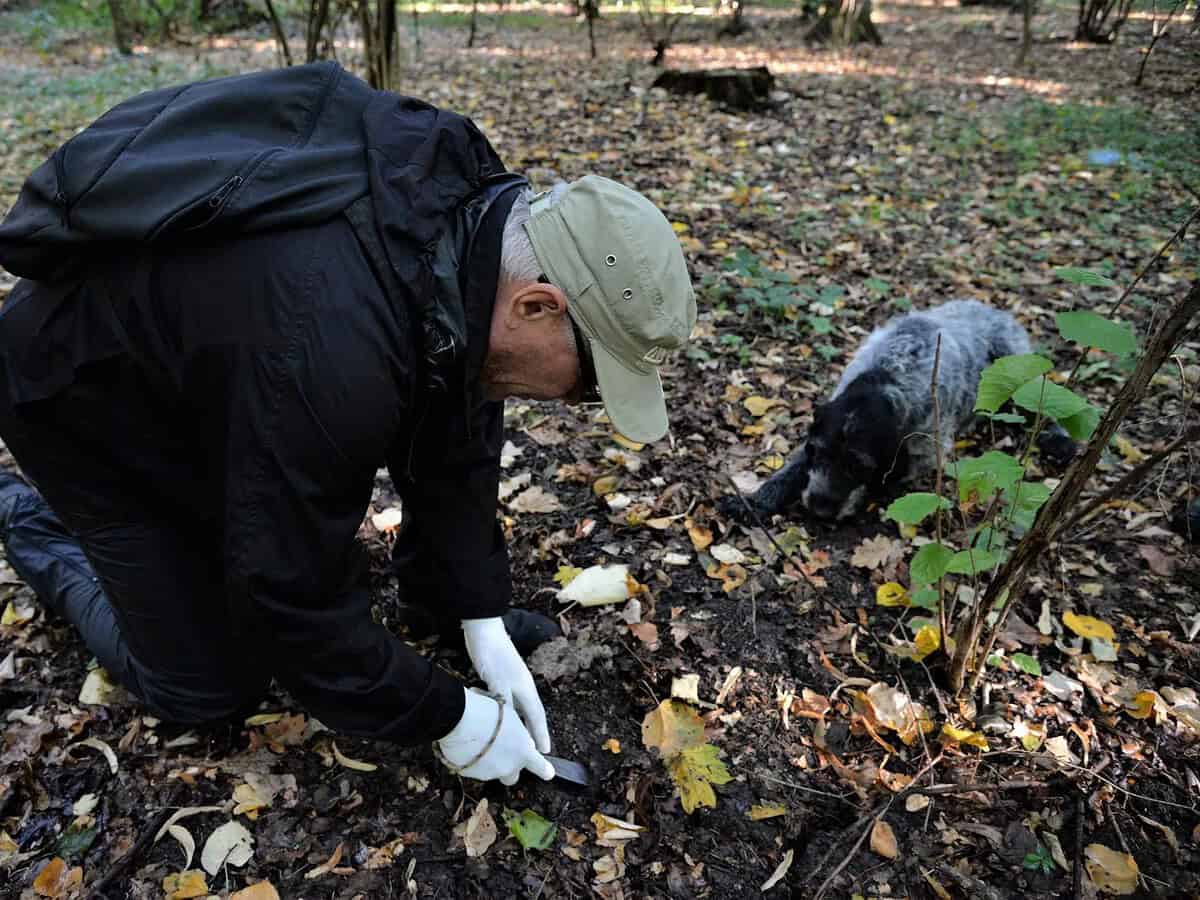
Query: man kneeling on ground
239	299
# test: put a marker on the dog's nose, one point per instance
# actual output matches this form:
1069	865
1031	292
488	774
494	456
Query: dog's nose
823	506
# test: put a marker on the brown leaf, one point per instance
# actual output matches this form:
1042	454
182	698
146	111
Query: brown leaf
56	879
672	727
263	890
647	633
535	499
1160	563
883	840
877	553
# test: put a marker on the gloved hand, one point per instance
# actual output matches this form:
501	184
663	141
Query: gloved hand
510	752
501	667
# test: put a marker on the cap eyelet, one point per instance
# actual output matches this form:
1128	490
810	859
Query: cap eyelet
627	293
610	260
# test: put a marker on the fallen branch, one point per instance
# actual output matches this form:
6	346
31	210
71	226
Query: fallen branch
117	872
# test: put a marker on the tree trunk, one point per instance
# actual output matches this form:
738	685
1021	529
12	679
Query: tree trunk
318	15
591	11
121	31
416	23
845	22
1010	580
280	35
474	19
1026	31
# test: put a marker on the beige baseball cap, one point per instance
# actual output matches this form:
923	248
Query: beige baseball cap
620	264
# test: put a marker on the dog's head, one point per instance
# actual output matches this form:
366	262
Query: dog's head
851	448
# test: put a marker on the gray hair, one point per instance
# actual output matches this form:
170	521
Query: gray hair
518	262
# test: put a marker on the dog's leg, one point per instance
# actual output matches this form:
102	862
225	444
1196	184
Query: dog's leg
779	492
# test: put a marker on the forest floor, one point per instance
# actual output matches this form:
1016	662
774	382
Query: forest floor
878	180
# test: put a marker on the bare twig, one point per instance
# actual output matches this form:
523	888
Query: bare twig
849	856
939	456
971	886
117	872
1133	476
1077	871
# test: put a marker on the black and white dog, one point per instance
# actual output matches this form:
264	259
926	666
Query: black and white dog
878	428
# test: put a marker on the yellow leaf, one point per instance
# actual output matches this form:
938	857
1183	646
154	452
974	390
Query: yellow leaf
14	616
98	689
264	890
928	639
606	485
679	227
1089	627
701	536
892	594
248	801
889	119
56	880
758	406
883	840
964	736
1111	871
627	443
695	770
182	885
1143	705
774	462
612	745
731	575
768	811
566	574
1126	448
349	763
671	727
908	532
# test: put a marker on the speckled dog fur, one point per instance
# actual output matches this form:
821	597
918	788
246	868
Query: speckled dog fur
878	426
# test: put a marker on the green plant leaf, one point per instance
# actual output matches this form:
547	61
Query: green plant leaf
1093	330
1026	664
1084	276
1008	418
984	475
925	598
973	562
1026	498
929	564
1002	378
1081	425
1054	400
531	830
912	509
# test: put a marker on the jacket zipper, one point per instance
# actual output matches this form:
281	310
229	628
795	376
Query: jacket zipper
217	200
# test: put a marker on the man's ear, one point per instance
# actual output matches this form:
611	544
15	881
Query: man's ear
536	301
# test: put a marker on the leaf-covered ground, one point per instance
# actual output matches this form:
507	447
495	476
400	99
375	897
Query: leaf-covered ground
880	180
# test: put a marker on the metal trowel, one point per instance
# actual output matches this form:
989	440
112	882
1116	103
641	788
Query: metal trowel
568	773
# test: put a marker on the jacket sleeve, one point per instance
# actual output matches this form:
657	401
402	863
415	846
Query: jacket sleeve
451	557
312	415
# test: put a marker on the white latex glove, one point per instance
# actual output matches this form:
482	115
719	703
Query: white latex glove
501	667
511	751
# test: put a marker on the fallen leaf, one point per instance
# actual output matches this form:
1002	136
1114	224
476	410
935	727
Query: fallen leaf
701	536
97	744
8	667
671	727
613	832
883	840
1160	563
694	770
349	763
263	890
535	499
612	745
1088	626
1143	705
759	812
185	885
731	576
566	574
606	485
964	736
84	805
1126	448
608	868
758	406
892	594
686	687
1111	871
98	689
915	802
184	813
533	832
56	880
509	453
231	844
646	632
263	719
336	857
877	552
724	553
17	615
928	639
478	833
186	841
780	871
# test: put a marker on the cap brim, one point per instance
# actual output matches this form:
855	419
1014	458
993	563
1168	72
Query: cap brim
634	402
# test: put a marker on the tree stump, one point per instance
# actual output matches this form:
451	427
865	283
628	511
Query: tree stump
734	88
845	22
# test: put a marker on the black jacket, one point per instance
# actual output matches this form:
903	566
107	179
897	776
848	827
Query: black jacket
308	310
